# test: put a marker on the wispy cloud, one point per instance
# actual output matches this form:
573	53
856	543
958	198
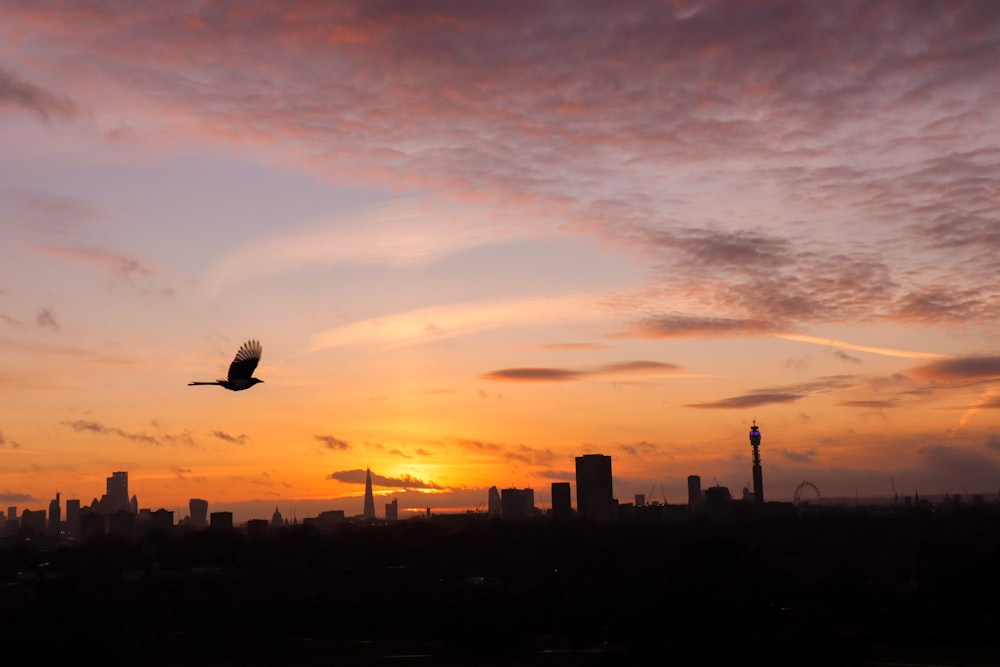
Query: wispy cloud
643	368
18	93
141	437
409	232
441	322
841	345
787	394
961	369
407	482
331	442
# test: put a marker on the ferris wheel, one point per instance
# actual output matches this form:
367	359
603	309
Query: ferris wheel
810	489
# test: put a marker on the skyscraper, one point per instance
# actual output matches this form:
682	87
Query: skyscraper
117	493
198	511
561	500
594	495
369	497
55	515
494	507
695	498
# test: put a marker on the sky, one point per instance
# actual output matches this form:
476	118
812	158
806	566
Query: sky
477	240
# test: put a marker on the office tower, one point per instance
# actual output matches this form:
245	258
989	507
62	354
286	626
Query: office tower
12	513
221	520
162	521
117	492
55	515
695	498
594	495
198	511
369	498
517	504
392	510
73	516
495	506
758	477
561	500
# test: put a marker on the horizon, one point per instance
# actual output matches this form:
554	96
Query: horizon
476	241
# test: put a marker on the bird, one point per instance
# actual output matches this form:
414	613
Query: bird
241	370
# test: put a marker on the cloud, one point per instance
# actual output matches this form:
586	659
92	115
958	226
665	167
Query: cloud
805	456
532	375
960	369
121	266
441	322
788	394
18	93
232	439
564	374
517	453
13	497
6	442
875	404
403	233
407	482
46	318
640	449
332	442
884	351
97	428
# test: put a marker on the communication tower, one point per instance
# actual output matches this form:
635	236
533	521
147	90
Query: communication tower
758	477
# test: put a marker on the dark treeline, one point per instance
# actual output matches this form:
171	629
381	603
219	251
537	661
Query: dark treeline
846	588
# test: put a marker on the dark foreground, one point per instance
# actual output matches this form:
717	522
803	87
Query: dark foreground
838	589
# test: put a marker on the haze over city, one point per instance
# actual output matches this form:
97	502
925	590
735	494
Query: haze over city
477	240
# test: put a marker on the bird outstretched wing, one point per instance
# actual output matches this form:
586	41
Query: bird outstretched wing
245	361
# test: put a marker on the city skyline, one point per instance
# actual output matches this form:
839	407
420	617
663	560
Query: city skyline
478	241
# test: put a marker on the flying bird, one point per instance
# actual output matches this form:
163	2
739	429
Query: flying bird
241	370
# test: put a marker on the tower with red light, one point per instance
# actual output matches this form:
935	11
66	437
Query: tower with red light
758	477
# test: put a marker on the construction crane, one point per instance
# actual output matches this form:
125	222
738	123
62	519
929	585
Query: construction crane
895	496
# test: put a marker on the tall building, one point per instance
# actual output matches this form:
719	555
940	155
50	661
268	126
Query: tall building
369	497
695	498
561	500
594	494
73	516
55	515
495	506
392	510
117	492
198	511
517	503
758	477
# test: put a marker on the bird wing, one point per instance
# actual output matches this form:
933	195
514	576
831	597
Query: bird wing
245	362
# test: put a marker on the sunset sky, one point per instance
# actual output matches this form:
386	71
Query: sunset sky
479	239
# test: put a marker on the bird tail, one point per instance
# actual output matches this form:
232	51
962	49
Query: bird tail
191	384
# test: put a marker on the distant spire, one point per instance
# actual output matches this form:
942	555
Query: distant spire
369	497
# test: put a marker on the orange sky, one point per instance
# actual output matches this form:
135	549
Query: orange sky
477	241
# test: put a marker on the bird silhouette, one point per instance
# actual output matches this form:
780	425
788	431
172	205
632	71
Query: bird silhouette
241	370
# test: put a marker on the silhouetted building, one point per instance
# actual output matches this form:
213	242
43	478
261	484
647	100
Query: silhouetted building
121	524
392	510
517	504
562	507
221	520
92	523
326	520
695	498
640	500
32	523
718	501
495	506
117	493
55	516
12	513
198	511
161	521
594	495
758	477
369	497
73	516
276	519
257	527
